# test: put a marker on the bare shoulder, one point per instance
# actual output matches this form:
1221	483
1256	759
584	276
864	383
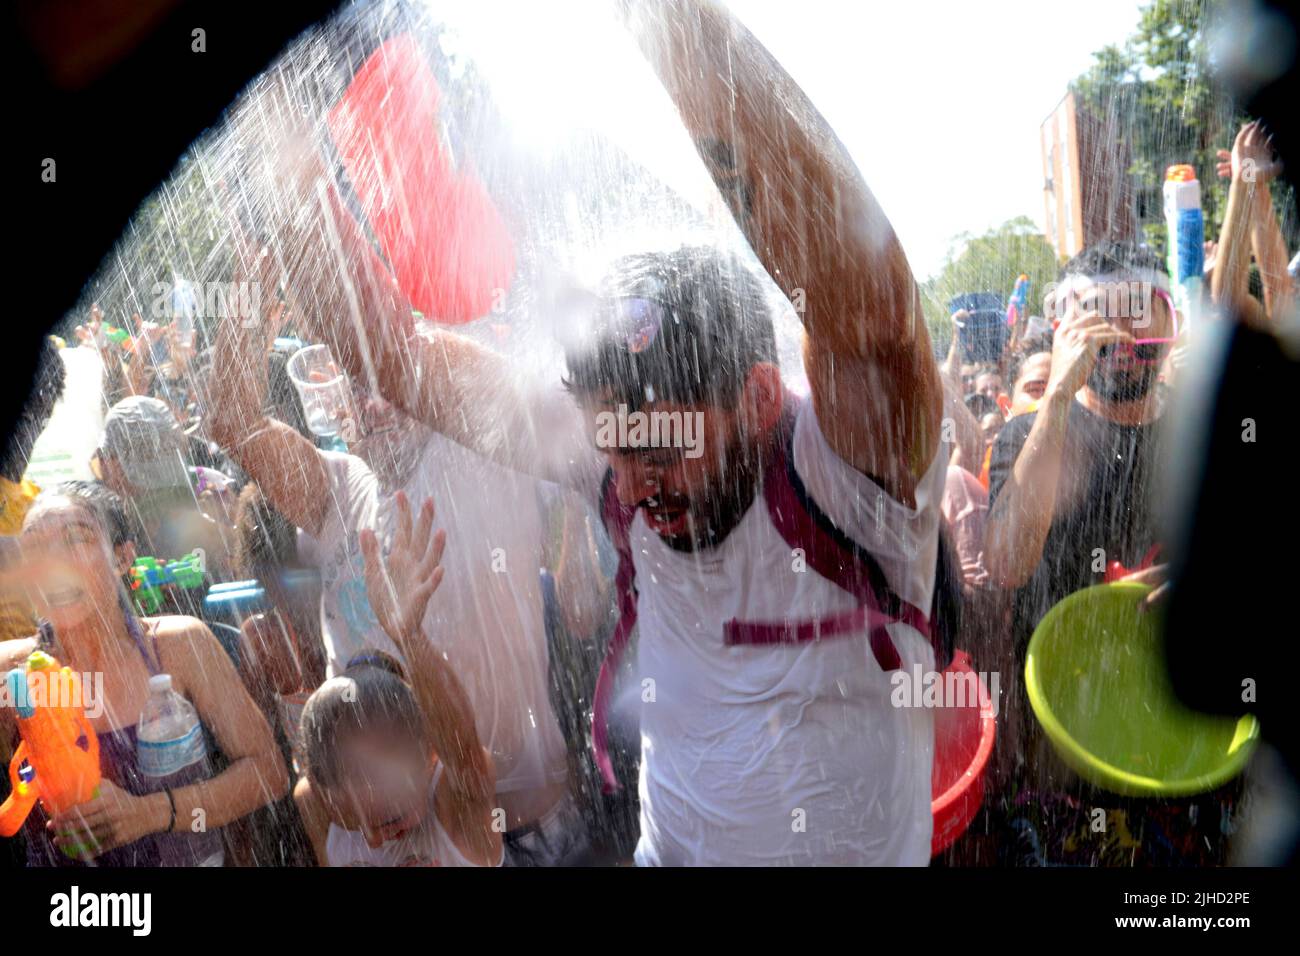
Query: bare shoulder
183	641
171	628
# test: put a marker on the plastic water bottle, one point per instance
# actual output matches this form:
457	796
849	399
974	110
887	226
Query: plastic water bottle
172	752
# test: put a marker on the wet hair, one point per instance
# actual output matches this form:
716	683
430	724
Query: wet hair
47	389
1112	256
265	541
102	502
370	695
1036	343
1019	361
715	325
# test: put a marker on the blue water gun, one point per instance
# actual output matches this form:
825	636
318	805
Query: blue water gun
1019	300
1186	225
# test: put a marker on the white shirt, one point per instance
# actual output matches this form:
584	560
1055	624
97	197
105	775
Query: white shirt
429	844
783	754
486	616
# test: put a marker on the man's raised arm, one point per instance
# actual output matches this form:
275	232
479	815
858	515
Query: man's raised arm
348	298
286	466
818	231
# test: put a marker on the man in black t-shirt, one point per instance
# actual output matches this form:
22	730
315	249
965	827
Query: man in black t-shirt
1072	485
1104	509
1073	491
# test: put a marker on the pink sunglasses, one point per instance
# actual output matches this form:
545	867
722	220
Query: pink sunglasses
1147	351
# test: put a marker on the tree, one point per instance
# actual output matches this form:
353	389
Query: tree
989	263
1157	93
178	232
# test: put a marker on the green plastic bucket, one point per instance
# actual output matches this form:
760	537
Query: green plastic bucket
1098	685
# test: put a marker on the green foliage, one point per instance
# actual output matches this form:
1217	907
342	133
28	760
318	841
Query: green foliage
177	232
988	263
1156	90
1159	89
1157	93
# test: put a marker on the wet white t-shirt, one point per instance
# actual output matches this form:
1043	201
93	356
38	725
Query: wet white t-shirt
783	754
487	615
429	844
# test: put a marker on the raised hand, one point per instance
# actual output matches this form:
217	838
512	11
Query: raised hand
89	332
1252	158
1075	347
283	165
400	585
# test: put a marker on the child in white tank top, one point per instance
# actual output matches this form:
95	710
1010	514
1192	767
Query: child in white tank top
376	746
429	844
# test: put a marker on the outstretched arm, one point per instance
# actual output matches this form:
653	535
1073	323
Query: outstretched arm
967	439
1268	244
346	297
285	465
1247	164
449	382
399	588
818	231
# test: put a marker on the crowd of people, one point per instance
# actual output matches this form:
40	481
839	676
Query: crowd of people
458	595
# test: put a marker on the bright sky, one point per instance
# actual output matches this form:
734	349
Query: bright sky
940	101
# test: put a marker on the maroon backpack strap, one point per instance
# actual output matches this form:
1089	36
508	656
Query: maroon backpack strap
618	522
802	524
831	553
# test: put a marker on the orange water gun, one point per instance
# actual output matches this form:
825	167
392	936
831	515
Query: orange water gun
58	758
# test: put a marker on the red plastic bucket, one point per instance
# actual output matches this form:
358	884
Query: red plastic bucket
449	249
963	741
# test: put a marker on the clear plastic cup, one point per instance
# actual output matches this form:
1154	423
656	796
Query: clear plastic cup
324	389
185	306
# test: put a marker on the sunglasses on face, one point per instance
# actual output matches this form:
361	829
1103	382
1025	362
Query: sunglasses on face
1150	350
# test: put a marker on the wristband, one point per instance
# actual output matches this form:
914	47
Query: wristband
171	823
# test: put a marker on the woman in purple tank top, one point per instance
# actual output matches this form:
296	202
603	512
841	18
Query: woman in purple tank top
76	548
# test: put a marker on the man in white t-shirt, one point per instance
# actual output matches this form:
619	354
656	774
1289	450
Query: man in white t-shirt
754	750
767	731
488	619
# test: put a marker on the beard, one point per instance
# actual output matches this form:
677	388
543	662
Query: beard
1122	384
713	514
